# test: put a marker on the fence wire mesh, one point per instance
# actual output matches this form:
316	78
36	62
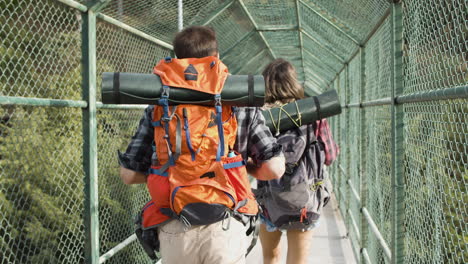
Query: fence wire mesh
41	157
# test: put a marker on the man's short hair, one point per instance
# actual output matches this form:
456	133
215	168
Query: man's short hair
195	42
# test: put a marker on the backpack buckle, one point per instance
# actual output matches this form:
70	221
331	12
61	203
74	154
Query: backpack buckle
217	99
226	223
165	91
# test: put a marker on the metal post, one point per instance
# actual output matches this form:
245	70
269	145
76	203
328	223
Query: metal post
362	154
397	243
88	48
301	41
180	15
347	174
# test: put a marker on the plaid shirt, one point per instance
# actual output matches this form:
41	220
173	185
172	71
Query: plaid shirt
254	140
323	133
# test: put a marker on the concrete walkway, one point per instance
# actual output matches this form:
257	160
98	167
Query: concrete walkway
329	242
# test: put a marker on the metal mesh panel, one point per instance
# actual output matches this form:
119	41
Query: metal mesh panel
355	17
353	158
275	13
284	45
317	72
40	50
325	33
378	173
118	203
436	47
436	165
41	185
378	133
257	66
120	51
324	54
242	53
235	21
159	18
436	180
378	64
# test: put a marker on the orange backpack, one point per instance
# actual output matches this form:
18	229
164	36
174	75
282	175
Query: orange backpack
198	178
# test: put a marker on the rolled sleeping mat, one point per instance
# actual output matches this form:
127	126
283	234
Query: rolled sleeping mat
138	88
311	109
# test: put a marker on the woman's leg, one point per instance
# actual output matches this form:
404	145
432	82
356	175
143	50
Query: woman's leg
298	246
270	245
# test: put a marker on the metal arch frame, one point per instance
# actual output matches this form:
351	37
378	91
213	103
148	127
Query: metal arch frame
330	23
233	46
313	89
317	76
250	61
301	42
320	60
326	81
342	60
256	28
368	37
134	31
97	5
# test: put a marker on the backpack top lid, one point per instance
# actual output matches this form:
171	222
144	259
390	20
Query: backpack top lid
206	74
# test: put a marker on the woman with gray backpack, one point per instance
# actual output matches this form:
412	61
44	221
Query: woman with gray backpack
293	203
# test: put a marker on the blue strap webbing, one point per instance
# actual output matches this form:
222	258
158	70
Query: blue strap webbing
158	172
234	165
219	122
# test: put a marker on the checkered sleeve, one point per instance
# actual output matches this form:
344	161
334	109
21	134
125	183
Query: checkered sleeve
137	157
254	138
324	134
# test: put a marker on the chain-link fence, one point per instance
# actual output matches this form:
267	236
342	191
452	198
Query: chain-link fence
401	71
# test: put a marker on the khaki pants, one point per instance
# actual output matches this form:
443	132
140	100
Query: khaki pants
207	244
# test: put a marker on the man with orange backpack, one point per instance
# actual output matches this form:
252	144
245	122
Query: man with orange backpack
197	174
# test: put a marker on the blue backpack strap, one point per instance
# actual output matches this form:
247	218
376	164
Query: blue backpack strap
219	122
234	165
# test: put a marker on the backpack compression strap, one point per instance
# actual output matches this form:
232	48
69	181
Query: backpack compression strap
164	102
219	122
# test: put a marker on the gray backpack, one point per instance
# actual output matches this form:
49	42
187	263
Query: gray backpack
295	200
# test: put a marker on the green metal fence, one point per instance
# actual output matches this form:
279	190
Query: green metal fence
401	70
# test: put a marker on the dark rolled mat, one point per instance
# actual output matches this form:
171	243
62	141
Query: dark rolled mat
138	88
310	110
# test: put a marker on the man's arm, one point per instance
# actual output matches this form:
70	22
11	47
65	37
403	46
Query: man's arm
255	141
269	170
131	176
136	160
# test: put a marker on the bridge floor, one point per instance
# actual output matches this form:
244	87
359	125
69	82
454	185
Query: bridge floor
329	242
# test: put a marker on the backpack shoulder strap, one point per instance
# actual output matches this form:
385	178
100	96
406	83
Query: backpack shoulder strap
306	149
